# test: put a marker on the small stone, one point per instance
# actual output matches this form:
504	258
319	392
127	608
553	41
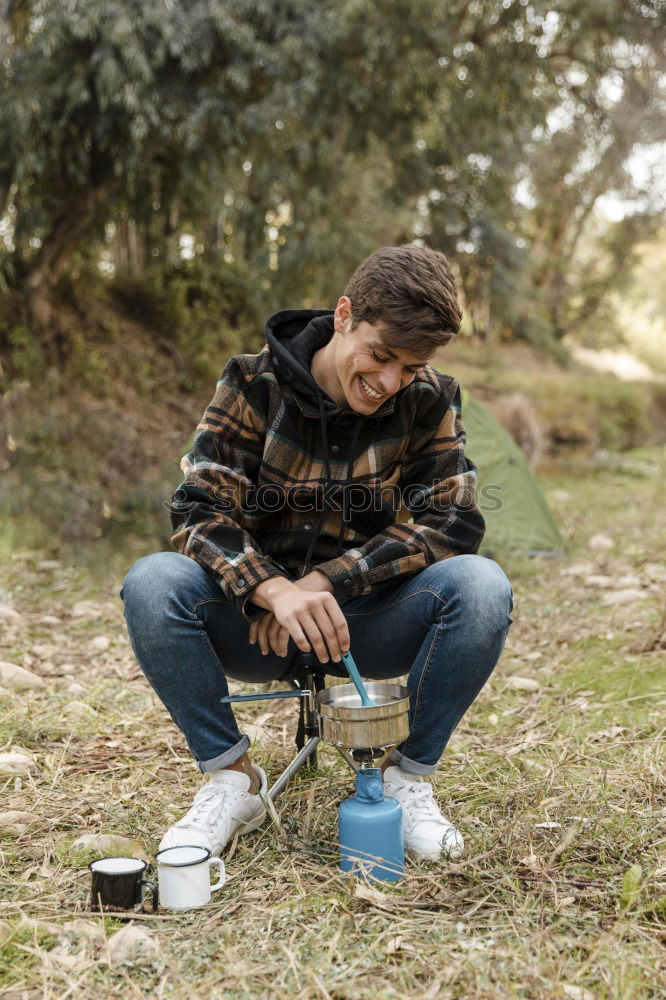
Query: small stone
79	708
108	845
626	596
76	688
9	614
49	564
85	609
99	644
26	555
49	620
14	762
44	649
629	580
48	668
522	684
655	571
577	992
18	678
599	580
129	943
600	541
577	569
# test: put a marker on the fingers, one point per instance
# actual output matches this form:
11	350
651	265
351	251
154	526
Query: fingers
278	637
258	632
326	628
313	620
339	623
269	634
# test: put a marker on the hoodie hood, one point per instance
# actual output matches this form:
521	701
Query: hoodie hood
294	336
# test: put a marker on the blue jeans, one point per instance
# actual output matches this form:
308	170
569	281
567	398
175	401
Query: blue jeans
444	627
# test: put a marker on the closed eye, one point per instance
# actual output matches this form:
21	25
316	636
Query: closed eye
412	370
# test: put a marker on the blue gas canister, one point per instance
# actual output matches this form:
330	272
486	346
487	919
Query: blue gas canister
370	830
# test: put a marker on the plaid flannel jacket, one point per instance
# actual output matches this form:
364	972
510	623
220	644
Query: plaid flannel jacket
256	485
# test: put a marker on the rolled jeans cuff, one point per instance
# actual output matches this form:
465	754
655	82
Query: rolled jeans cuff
411	766
229	756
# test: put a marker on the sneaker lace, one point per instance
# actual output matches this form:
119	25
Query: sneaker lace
208	804
422	805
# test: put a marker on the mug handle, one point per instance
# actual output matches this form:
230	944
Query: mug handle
153	891
220	882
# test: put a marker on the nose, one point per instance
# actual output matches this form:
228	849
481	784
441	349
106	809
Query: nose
391	379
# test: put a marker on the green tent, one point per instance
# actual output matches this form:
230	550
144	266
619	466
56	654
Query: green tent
512	502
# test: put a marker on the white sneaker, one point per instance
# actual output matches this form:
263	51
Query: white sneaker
221	807
427	833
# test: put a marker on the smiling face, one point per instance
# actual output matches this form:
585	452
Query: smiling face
356	366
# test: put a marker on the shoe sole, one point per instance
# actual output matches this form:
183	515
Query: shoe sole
244	828
417	855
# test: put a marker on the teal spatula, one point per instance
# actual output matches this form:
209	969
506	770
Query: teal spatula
352	670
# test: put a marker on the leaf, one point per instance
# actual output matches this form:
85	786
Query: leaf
373	896
398	943
15	821
129	942
631	885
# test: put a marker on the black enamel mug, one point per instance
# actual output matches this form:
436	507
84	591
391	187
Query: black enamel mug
118	884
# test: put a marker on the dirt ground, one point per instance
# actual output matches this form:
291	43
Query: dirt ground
556	777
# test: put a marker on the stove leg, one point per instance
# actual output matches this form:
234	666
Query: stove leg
296	764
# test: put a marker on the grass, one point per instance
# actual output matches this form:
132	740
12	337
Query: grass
560	792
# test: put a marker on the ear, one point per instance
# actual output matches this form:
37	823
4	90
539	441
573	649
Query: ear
343	315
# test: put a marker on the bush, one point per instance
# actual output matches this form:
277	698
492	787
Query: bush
595	411
205	308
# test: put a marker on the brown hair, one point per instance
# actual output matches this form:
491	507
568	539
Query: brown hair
410	291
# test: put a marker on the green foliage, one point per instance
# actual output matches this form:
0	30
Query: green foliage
596	411
204	309
290	140
24	353
631	887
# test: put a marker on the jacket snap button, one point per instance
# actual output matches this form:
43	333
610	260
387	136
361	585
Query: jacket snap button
241	581
335	449
308	526
348	582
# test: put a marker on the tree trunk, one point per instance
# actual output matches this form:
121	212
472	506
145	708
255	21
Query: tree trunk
5	27
66	232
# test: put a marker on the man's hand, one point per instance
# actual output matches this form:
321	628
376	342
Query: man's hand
269	634
305	610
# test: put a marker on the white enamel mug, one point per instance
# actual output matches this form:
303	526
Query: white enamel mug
184	877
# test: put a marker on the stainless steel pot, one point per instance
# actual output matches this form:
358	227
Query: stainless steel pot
343	722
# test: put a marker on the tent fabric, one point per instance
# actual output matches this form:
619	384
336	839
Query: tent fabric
511	499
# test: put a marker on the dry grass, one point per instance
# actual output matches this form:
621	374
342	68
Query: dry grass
560	792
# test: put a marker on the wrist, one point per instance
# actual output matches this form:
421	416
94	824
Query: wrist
322	581
264	594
